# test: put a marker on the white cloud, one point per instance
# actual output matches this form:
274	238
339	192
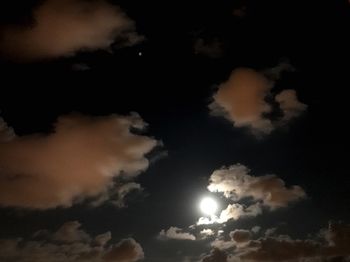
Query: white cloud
236	183
175	233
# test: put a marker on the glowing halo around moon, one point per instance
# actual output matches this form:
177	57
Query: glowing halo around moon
208	206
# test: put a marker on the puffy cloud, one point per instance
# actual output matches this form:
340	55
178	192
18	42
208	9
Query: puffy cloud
222	244
64	27
70	232
83	158
212	49
242	100
207	232
232	212
240	236
255	229
72	245
270	231
175	233
216	255
125	251
246	99
289	104
236	183
334	245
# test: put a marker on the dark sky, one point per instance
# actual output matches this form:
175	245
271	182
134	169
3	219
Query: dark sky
247	97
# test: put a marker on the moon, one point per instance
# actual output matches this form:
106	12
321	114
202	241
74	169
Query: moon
208	206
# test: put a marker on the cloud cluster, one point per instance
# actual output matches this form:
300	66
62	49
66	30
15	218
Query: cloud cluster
333	244
83	158
175	233
70	244
246	100
235	183
64	27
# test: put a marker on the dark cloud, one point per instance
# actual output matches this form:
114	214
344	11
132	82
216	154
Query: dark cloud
83	158
216	255
64	27
70	244
240	12
242	99
240	236
212	49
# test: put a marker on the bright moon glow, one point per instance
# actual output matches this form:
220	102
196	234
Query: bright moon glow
208	206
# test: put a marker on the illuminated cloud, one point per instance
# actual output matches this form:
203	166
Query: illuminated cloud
83	158
232	212
332	244
246	99
212	49
289	104
175	233
207	232
72	244
222	244
64	27
236	183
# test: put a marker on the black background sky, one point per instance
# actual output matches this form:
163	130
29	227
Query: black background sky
170	87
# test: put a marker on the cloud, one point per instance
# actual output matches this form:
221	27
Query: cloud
270	231
207	232
255	229
232	212
212	49
83	158
333	244
236	183
70	233
175	233
240	236
125	251
289	104
246	99
71	244
64	27
216	255
222	244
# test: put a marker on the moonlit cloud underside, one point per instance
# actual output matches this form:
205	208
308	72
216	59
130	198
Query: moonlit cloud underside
64	27
235	183
70	244
331	244
83	158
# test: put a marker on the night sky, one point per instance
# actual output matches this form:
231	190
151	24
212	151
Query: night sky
212	131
